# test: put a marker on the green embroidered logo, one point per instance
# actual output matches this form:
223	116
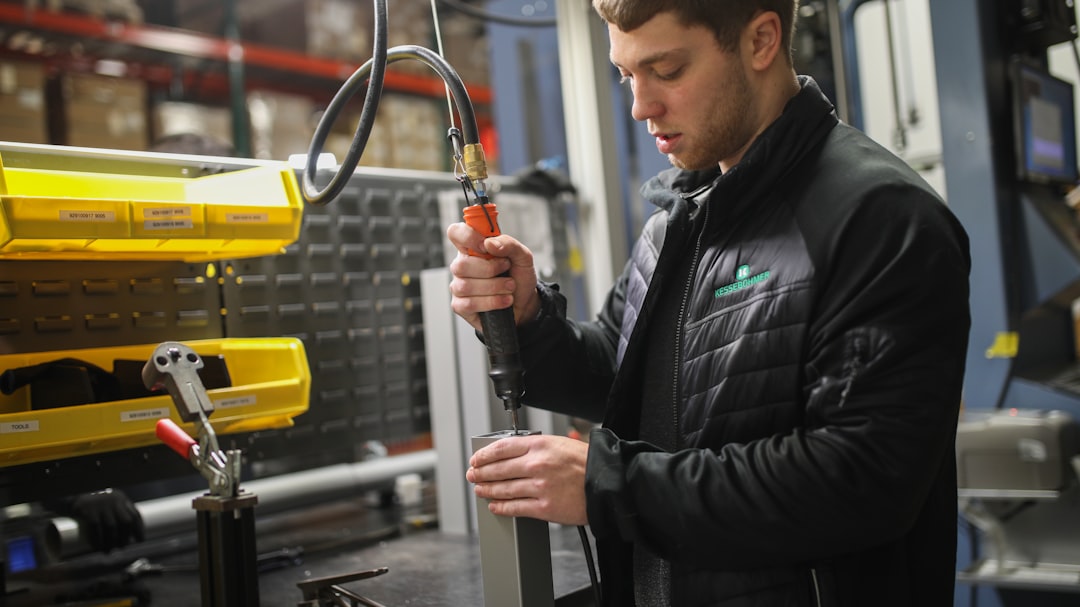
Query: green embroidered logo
743	279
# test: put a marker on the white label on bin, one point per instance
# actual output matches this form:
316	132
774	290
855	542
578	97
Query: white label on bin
13	427
90	216
143	414
238	401
247	218
168	224
160	212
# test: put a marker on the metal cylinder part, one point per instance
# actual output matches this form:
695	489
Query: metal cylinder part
515	552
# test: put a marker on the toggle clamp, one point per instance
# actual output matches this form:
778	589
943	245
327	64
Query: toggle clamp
228	568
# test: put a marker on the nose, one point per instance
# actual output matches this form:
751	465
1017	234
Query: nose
646	106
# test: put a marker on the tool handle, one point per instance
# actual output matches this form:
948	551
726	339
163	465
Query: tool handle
505	370
499	327
500	330
172	435
483	218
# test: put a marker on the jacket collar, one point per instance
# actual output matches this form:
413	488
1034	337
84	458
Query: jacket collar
806	119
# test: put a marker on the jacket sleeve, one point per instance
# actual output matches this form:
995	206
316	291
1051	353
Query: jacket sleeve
881	391
569	365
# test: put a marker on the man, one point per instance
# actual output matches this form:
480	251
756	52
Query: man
778	369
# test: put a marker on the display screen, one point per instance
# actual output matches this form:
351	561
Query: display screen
20	554
1046	126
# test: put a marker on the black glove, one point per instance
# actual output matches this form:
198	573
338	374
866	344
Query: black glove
107	519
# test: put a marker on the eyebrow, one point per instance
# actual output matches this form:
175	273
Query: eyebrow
677	53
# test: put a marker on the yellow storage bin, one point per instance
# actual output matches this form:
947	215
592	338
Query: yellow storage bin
271	385
57	214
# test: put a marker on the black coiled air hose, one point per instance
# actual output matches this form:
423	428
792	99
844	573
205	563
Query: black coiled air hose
376	68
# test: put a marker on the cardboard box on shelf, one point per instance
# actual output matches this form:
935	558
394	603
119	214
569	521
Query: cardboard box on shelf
106	140
275	23
120	10
21	133
417	128
339	29
409	132
103	90
104	111
179	117
281	124
191	15
410	23
465	43
23	115
379	148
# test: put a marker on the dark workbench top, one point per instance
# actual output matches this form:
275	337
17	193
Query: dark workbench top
427	568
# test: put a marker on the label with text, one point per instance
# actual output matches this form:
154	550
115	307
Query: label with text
30	425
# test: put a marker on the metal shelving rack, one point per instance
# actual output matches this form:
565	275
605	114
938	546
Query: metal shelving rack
150	52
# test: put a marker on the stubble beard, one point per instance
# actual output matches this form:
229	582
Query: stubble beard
723	136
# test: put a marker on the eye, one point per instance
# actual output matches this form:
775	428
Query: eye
625	78
671	75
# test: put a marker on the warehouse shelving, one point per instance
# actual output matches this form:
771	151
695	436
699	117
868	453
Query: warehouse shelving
165	41
199	67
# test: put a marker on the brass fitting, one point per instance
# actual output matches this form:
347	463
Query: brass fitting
475	163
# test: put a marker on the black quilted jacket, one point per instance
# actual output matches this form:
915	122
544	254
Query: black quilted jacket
817	372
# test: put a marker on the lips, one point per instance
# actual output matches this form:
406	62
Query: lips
667	142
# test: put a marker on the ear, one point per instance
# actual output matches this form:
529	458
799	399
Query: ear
764	36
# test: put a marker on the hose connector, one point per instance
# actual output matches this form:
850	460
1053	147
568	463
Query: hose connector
475	163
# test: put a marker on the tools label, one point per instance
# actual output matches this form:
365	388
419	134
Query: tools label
13	427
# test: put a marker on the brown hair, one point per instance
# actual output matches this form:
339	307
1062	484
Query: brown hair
726	18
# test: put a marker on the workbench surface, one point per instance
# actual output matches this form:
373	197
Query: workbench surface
427	567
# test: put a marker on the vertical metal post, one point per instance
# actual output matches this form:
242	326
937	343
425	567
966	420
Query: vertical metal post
592	154
228	571
515	552
445	402
237	87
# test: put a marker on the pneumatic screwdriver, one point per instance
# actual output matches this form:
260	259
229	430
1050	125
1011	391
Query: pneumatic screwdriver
499	328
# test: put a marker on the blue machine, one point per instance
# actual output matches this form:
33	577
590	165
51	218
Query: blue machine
1009	149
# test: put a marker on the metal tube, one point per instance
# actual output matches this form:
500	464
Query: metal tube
173	513
515	552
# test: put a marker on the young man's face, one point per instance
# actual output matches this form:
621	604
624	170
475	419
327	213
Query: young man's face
693	96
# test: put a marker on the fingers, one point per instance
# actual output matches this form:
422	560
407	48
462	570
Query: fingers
510	447
498	461
465	239
503	276
469	242
473	279
510	490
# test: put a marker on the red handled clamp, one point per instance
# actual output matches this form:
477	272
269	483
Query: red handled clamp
174	367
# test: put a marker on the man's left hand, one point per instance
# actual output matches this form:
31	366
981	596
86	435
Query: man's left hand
537	476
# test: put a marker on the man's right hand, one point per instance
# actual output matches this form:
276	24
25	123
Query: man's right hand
477	286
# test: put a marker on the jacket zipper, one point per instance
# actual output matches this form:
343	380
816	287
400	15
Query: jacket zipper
817	589
681	321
